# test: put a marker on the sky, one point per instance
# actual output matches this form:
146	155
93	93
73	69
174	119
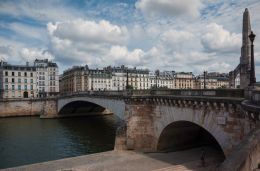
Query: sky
179	35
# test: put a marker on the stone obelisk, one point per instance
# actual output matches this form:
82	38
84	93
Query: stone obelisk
245	51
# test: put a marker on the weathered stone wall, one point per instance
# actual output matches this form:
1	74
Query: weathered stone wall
140	133
28	107
246	156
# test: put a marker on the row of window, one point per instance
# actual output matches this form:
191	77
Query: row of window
19	74
19	87
19	80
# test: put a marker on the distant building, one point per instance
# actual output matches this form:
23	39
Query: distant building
213	80
74	80
17	81
29	81
138	79
163	79
184	80
47	77
80	78
99	80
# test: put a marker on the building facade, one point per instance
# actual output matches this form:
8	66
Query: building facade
184	80
212	80
29	81
163	79
18	81
47	78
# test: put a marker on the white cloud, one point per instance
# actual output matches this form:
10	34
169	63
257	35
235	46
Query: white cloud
217	38
95	43
169	7
33	53
121	55
89	32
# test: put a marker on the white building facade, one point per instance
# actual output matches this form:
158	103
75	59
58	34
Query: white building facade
47	78
18	81
29	81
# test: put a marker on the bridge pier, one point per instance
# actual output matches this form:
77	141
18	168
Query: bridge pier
140	134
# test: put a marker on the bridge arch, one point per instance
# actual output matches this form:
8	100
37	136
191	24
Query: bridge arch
181	135
204	119
116	106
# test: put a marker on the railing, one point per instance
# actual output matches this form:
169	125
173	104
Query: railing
232	93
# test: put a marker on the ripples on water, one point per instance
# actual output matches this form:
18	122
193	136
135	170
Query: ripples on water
27	140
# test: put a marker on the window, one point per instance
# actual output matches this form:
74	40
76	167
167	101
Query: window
31	74
25	80
25	87
6	80
31	80
6	73
31	87
19	87
25	74
12	73
12	87
12	80
19	74
6	87
19	80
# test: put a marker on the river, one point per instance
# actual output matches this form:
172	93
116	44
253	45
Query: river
28	140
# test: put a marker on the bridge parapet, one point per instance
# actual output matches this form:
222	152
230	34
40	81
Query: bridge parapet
238	93
232	93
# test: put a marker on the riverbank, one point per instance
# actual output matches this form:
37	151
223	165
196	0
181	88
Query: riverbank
130	161
28	107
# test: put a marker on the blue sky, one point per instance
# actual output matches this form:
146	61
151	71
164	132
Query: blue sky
180	35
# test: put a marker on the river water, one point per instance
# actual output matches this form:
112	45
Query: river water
27	140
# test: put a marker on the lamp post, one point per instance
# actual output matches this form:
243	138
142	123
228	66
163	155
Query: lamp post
127	86
92	81
204	73
156	77
252	68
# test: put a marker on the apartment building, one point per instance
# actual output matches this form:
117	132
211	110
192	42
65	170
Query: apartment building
212	80
29	81
17	81
184	80
47	78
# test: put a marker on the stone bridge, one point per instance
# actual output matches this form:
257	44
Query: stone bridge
161	120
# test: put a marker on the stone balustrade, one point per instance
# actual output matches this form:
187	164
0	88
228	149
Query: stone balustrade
232	93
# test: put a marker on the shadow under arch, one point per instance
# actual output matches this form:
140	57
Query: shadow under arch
82	108
181	135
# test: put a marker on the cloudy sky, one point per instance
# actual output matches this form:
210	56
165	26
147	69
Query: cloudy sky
180	35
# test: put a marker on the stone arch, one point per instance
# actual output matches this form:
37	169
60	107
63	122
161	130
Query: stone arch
115	106
205	119
181	135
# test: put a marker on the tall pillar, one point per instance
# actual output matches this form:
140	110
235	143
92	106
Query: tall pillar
245	51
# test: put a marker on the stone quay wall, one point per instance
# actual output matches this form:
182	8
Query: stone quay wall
245	156
28	107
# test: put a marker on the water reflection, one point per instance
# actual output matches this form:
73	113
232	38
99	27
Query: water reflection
27	140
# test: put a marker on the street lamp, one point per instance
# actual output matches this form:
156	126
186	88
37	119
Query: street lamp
204	79
92	81
127	86
252	70
157	72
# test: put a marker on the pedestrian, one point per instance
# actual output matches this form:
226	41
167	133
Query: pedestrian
202	157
